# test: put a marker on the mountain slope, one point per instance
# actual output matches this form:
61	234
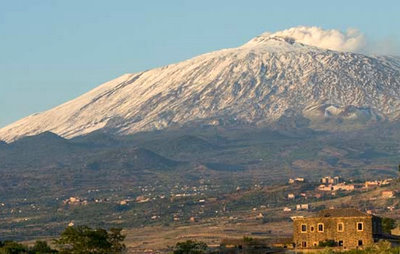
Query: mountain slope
258	83
130	159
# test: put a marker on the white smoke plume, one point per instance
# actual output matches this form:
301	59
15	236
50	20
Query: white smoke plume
352	40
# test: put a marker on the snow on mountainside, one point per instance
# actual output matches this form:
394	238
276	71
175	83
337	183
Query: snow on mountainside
254	84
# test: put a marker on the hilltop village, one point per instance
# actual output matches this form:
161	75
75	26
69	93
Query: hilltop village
300	194
332	186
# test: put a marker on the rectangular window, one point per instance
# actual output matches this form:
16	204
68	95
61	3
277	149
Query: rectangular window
360	226
320	227
304	244
340	227
360	242
312	228
303	228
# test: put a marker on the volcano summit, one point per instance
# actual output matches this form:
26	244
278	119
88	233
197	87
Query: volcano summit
272	76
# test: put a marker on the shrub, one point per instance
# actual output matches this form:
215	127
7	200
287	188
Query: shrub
388	224
327	243
190	247
83	239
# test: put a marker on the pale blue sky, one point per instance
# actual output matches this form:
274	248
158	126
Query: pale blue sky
52	51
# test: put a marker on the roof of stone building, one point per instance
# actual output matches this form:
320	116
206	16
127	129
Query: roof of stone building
341	212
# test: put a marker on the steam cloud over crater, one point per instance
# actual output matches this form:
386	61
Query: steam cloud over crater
352	40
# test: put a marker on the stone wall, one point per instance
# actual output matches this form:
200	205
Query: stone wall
350	235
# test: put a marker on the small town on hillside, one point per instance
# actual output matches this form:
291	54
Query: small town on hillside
299	213
328	187
314	226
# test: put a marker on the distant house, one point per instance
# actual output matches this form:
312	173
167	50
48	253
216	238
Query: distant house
343	186
391	208
260	216
287	209
291	196
330	180
142	199
387	194
73	201
302	207
371	184
323	187
297	179
346	228
339	186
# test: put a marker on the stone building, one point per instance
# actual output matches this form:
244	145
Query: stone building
345	228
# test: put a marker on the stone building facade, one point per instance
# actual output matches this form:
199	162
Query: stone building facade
345	228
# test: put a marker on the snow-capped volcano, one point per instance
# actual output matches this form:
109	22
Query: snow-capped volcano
254	84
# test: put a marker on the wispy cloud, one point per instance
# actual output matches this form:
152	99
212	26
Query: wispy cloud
385	46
